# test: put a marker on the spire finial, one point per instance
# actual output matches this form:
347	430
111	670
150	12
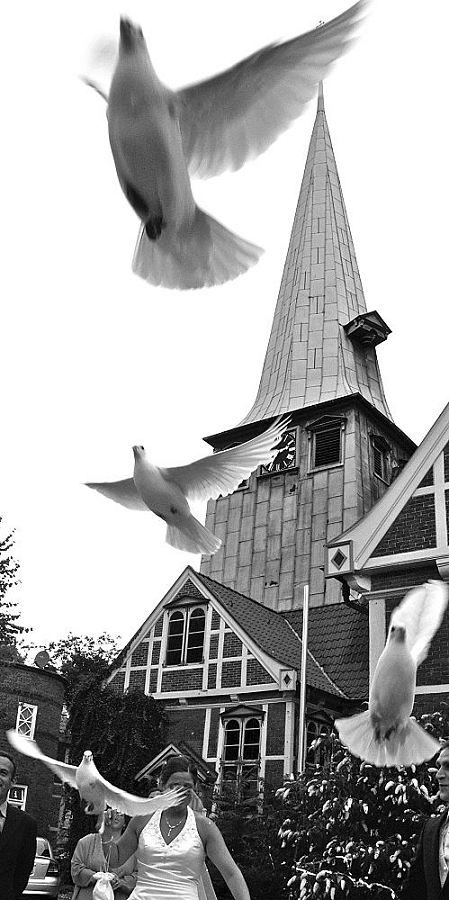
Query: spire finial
320	106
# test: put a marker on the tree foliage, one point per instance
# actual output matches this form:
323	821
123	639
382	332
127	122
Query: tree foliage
352	829
250	829
83	661
10	629
123	731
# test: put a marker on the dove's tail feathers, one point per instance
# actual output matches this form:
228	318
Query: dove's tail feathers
192	537
203	255
406	746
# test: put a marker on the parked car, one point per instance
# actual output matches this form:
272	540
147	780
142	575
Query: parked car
44	880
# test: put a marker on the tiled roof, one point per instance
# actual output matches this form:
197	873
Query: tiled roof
272	632
339	639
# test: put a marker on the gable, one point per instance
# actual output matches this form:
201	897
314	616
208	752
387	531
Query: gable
409	523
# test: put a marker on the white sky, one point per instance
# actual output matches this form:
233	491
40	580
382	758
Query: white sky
94	360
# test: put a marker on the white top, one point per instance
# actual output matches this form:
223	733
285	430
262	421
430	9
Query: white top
169	871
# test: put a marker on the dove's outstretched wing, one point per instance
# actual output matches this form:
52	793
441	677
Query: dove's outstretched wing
237	114
136	806
27	747
123	492
420	613
221	473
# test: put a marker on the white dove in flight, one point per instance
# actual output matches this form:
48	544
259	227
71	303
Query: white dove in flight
385	735
166	491
160	137
92	787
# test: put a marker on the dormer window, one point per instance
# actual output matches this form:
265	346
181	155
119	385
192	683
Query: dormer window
185	639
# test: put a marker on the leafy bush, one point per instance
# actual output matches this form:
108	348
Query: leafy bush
352	829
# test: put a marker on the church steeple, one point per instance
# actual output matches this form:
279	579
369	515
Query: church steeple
313	356
341	449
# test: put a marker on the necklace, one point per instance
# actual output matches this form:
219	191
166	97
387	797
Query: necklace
172	827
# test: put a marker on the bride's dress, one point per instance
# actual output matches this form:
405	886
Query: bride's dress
169	871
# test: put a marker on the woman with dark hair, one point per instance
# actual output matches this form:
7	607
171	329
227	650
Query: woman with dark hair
171	845
92	855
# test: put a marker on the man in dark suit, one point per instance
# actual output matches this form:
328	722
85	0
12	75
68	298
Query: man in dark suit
428	878
17	837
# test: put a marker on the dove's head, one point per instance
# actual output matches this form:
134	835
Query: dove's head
131	36
139	452
87	756
397	634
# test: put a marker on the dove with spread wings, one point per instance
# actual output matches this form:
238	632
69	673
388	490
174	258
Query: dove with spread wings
92	787
385	735
159	138
166	492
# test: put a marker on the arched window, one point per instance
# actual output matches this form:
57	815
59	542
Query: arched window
241	755
175	639
185	639
317	754
195	639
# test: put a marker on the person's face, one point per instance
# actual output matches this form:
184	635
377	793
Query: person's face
180	780
6	777
115	819
442	775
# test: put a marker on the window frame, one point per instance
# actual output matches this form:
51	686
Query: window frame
241	762
18	804
187	612
380	446
321	427
34	708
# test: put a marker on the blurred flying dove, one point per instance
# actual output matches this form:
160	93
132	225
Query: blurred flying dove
166	491
385	735
92	787
160	137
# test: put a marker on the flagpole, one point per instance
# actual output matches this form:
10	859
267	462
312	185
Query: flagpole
302	699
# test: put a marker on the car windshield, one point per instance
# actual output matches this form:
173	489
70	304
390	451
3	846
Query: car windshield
42	847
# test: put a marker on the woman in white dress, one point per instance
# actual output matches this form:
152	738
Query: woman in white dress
171	846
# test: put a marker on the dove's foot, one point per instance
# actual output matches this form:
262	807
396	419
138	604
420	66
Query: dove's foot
154	226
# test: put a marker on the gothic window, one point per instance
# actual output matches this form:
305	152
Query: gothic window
185	639
241	755
26	719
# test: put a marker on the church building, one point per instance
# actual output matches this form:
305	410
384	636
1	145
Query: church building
222	650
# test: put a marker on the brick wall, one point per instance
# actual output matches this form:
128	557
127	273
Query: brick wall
187	725
274	773
434	669
414	528
428	703
45	690
275	729
183	680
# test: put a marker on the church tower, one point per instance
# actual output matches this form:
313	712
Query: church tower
342	448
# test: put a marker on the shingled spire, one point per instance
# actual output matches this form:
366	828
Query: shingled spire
322	342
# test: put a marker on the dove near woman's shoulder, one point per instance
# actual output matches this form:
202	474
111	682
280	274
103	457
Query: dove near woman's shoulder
385	734
91	786
166	492
160	137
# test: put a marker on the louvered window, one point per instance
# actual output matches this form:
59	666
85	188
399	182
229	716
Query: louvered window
327	446
380	453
